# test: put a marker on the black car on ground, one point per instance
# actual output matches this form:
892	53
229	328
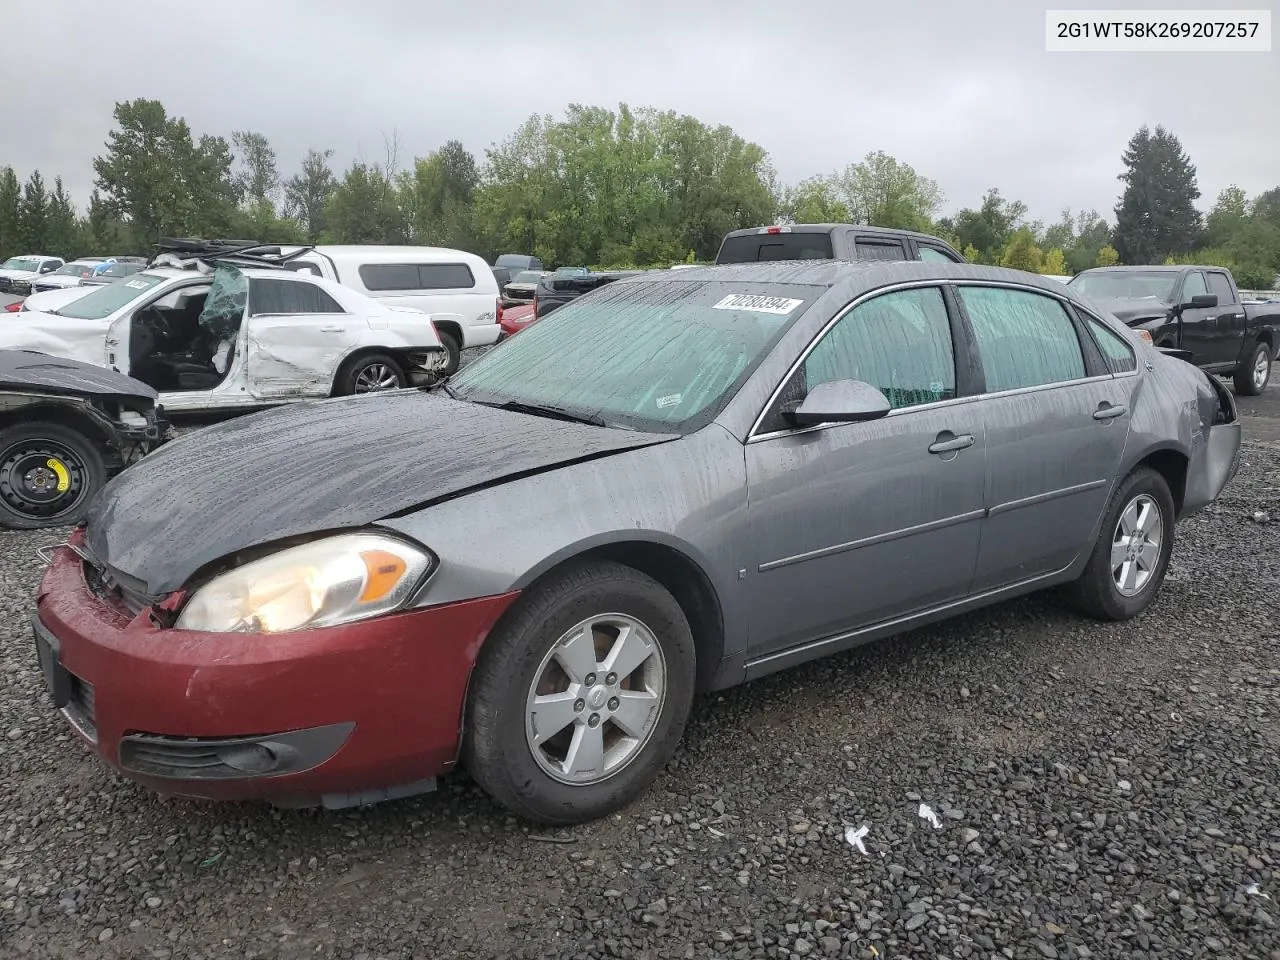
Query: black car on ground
66	427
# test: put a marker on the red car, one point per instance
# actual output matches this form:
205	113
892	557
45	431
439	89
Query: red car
514	319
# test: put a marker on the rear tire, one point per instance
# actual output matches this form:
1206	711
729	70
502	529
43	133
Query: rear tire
38	458
1128	565
371	373
1252	376
547	720
453	351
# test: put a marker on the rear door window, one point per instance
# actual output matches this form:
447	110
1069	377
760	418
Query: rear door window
1024	339
1218	284
288	297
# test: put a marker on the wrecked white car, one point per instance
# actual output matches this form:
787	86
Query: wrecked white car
208	334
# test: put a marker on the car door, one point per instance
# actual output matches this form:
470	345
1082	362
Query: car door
1056	421
297	335
858	523
1228	319
1199	324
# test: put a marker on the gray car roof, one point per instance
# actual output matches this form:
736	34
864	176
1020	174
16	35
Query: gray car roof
858	275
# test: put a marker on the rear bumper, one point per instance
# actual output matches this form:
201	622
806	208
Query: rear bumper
480	334
1212	467
331	716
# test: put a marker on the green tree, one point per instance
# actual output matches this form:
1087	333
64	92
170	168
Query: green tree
307	193
1092	233
1107	257
258	179
1060	235
990	228
33	215
814	200
162	181
438	197
631	186
1022	252
885	192
363	208
972	254
10	214
64	235
1055	263
1157	215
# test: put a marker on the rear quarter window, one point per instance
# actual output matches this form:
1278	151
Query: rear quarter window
384	277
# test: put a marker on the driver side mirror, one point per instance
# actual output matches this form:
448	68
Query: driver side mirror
839	401
1201	300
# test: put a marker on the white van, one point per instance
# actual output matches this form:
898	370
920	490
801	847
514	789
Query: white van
435	280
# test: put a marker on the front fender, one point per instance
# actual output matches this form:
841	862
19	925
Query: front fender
688	495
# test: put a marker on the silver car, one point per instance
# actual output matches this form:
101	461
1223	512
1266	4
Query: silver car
678	483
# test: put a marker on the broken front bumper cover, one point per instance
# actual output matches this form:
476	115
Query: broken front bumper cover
358	713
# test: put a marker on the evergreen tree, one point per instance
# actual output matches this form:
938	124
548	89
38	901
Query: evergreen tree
1157	215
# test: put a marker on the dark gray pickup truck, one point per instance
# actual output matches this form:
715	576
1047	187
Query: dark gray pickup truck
832	241
1195	311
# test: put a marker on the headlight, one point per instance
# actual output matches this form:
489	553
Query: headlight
336	580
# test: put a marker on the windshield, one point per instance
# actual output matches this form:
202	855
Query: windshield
72	269
572	271
661	357
1126	284
527	276
753	247
105	301
21	263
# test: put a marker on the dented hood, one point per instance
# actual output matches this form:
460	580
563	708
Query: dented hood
318	466
39	372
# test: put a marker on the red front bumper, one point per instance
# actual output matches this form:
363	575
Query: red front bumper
393	689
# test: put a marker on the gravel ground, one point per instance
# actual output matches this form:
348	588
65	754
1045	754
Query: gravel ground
1100	791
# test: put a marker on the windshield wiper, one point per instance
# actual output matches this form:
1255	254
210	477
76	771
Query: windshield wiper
542	410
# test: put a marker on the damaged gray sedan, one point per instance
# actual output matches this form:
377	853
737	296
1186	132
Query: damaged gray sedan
679	483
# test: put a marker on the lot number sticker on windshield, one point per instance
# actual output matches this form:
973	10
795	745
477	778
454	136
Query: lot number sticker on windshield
742	301
138	284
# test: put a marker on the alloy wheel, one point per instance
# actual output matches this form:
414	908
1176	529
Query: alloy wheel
1136	545
595	699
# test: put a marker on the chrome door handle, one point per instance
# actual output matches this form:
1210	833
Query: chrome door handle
1110	411
330	329
955	443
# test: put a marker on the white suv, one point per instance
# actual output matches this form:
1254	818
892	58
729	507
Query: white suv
235	336
456	289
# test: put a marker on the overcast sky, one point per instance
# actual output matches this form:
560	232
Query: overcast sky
965	93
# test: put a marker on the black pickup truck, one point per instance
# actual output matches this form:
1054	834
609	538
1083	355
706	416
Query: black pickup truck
832	241
1195	311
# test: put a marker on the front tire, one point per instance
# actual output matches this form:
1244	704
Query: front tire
1251	377
581	695
49	474
1130	559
